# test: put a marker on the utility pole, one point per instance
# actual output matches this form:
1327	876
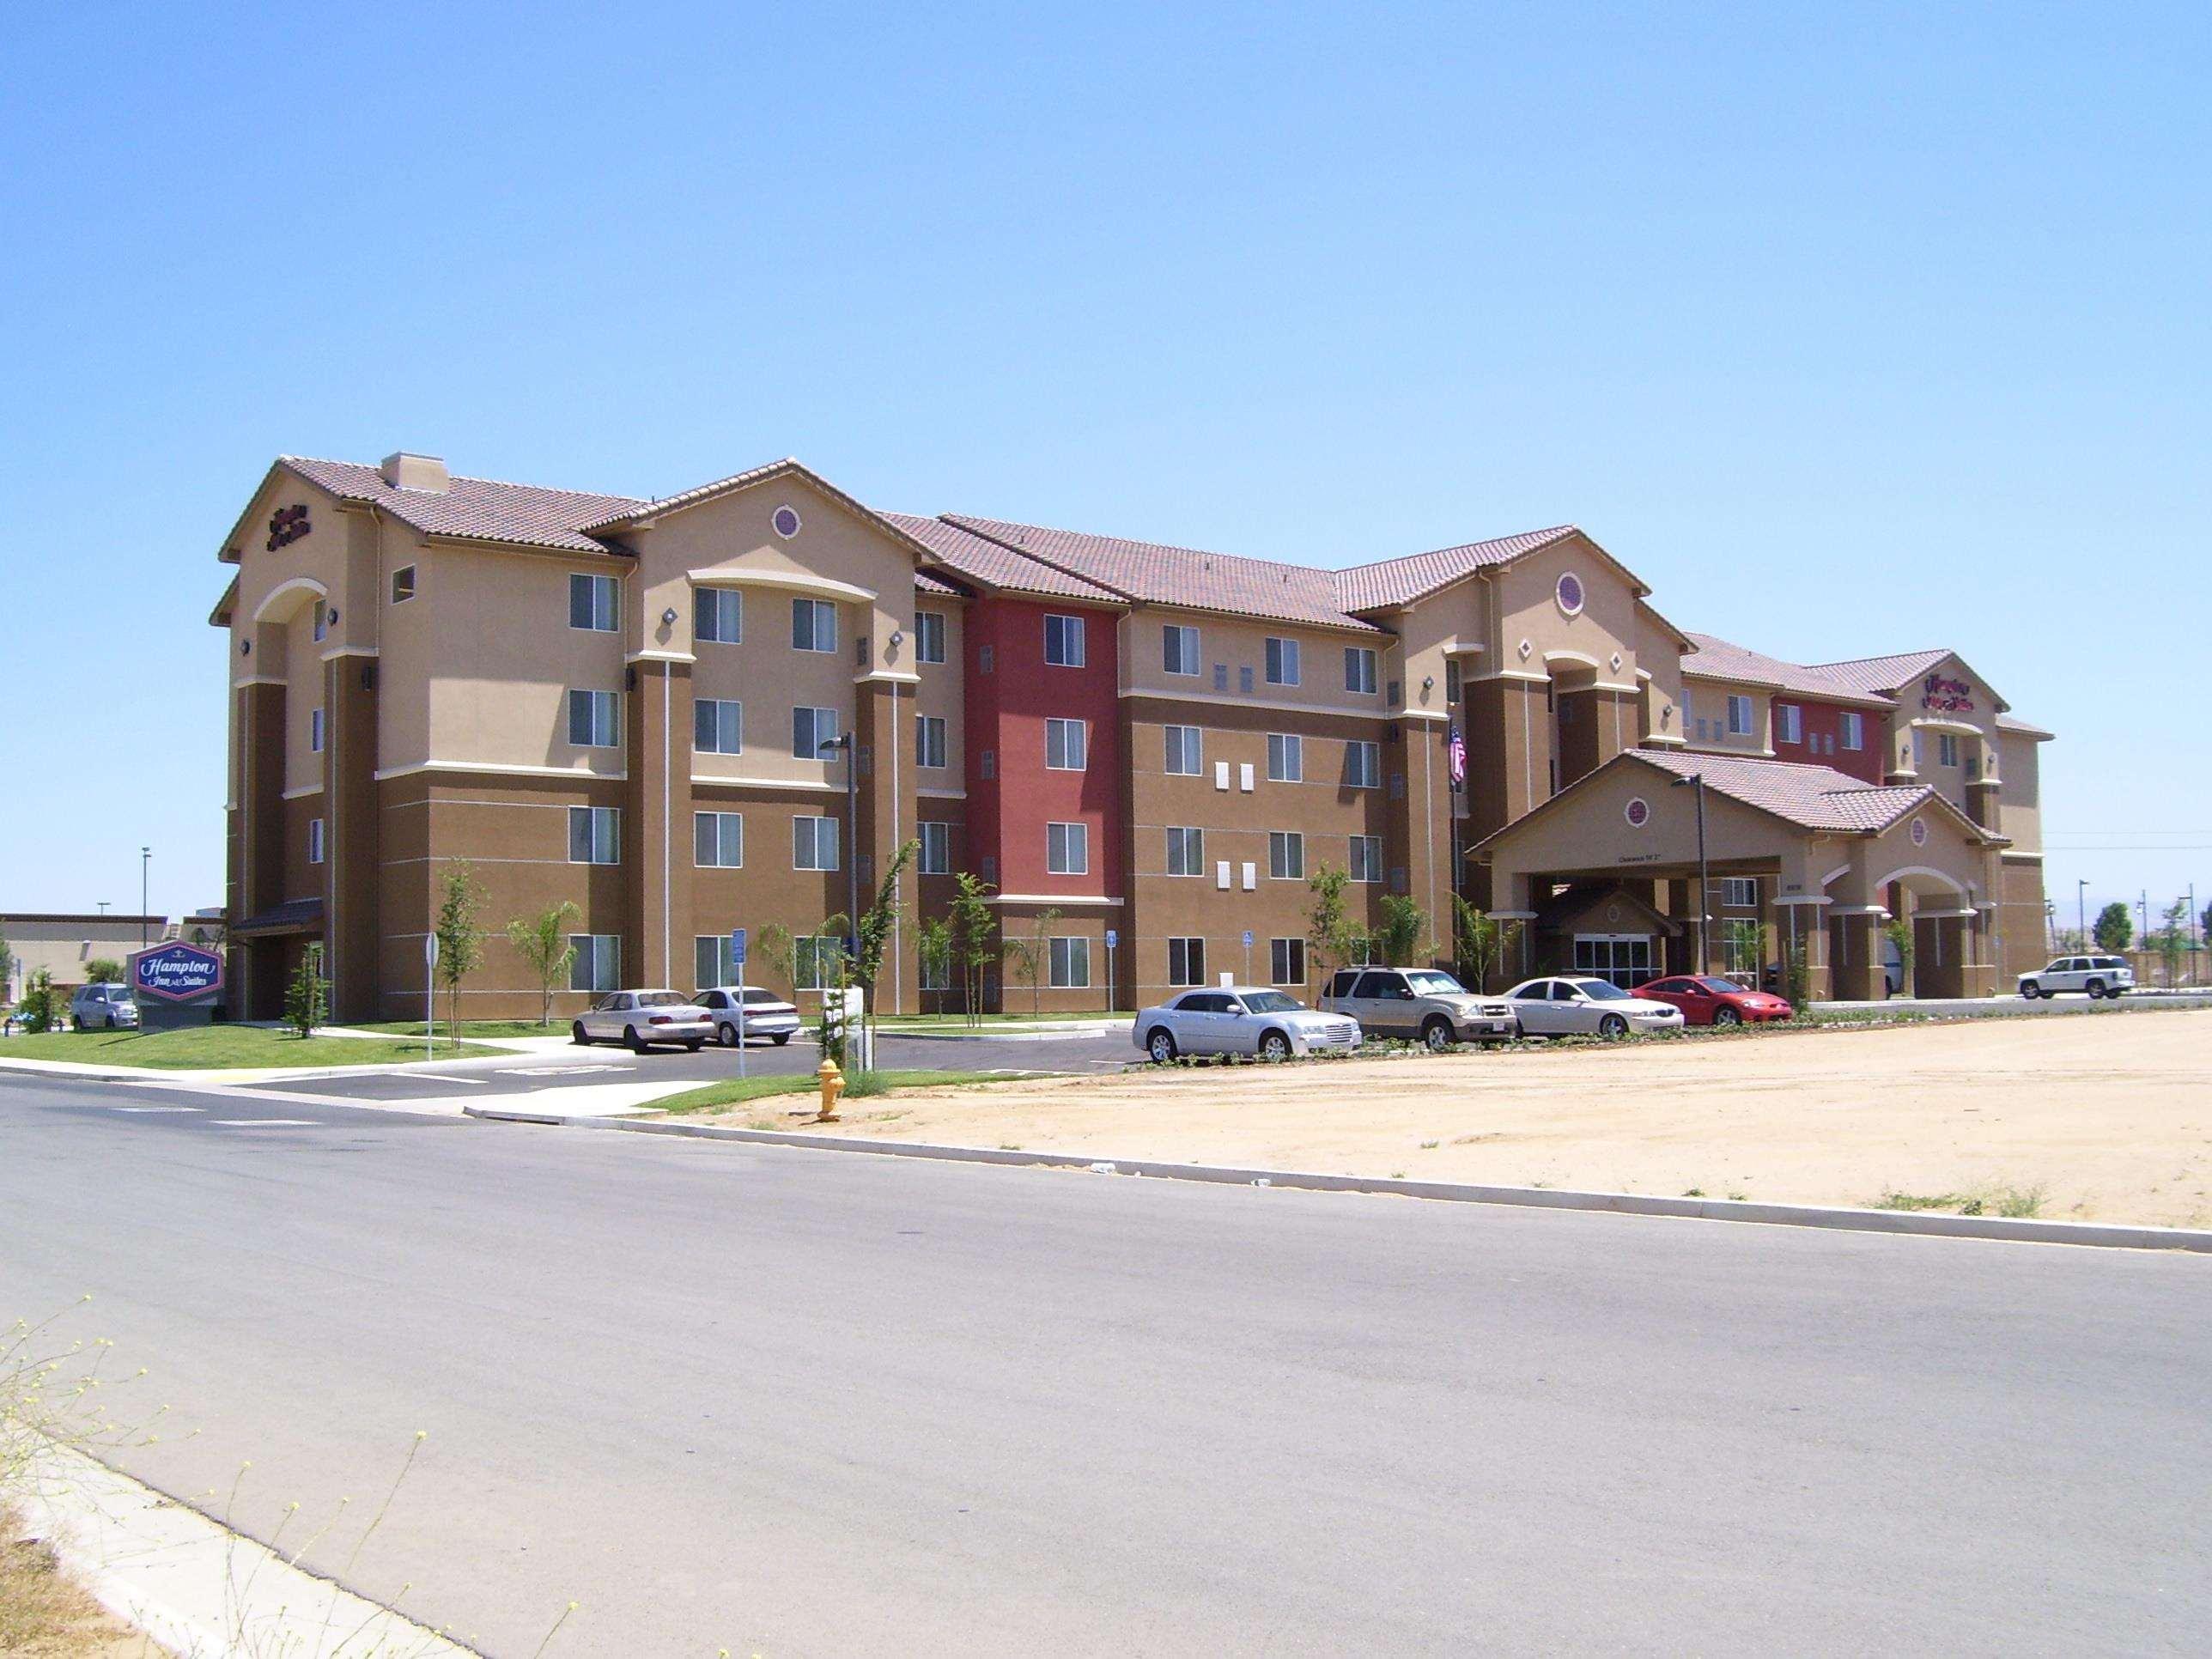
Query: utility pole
1697	780
2082	914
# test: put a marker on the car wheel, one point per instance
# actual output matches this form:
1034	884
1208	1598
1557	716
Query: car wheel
1612	1026
1727	1016
1161	1045
2029	990
780	1038
637	1044
1274	1046
109	1022
694	1045
2095	988
1437	1034
726	1034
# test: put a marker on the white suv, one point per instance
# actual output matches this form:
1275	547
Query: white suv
2099	976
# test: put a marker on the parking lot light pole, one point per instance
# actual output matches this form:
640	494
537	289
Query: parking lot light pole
1697	780
145	865
851	850
2082	913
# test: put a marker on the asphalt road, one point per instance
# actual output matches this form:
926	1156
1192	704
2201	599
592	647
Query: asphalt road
568	1066
800	1403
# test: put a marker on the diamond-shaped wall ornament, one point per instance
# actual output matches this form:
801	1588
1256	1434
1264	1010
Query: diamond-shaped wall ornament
1616	662
1525	649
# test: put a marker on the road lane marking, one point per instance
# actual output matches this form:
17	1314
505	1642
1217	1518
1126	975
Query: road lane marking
266	1123
157	1108
555	1071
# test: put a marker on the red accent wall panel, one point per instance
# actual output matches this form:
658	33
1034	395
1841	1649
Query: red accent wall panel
1821	742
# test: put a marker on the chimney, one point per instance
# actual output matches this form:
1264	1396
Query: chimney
424	472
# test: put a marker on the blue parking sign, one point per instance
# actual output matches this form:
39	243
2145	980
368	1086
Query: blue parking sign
737	947
1247	938
1113	937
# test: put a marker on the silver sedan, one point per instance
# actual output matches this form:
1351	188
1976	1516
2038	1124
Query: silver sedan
640	1019
1583	1006
1234	1019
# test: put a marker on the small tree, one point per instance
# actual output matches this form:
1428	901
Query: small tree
460	941
7	969
1028	955
2115	929
543	942
1398	937
307	999
41	1007
1796	976
2173	940
876	922
779	949
973	927
1899	932
934	943
1331	934
103	970
1480	944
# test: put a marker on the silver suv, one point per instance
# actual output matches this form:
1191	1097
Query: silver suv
104	1007
1418	1002
2099	976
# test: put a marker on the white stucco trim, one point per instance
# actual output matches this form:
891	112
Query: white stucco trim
499	768
768	783
1801	898
1950	883
259	679
1224	700
941	794
337	651
1582	658
301	791
895	675
291	584
1049	898
659	656
795	582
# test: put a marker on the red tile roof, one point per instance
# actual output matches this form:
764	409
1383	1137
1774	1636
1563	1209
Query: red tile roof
966	553
1812	797
481	509
1716	658
1400	581
1883	673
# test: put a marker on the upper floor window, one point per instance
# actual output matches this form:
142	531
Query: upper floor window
322	622
1067	849
592	601
717	615
1363	765
929	636
1854	729
813	843
314	841
1738	715
718	840
1946	749
1366	863
592	720
929	740
718	725
595	834
813	625
1286	758
1282	661
934	857
1740	892
1179	649
1789	723
315	731
1358	669
1287	855
812	730
1063	642
1184	757
403	584
1186	850
1066	744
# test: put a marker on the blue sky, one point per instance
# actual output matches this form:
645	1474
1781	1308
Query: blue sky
1851	328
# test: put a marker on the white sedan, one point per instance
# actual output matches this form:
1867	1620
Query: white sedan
642	1019
766	1014
1583	1006
1235	1019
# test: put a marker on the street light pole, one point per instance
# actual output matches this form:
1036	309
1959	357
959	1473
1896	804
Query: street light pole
852	855
1697	780
145	867
2082	913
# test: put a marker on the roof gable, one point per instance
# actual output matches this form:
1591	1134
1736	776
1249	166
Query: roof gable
474	509
1717	658
1415	576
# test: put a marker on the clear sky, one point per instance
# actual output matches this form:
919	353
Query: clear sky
1853	329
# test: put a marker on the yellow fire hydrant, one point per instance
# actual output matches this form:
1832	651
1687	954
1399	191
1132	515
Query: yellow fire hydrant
833	1084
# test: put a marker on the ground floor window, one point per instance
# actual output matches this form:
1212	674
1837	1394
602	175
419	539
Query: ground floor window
710	961
1286	961
1740	947
597	965
815	961
1071	964
1186	962
1625	959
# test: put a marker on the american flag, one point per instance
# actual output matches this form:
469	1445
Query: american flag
1458	758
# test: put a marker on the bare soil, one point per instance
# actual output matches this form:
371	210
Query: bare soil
2103	1119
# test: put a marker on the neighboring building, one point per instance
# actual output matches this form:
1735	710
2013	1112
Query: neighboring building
622	703
63	943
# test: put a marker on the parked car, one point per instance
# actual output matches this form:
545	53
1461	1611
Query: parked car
104	1007
766	1014
643	1018
1240	1020
2098	976
1417	1002
1708	999
1581	1007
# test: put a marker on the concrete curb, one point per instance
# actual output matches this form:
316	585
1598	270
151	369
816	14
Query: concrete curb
1695	1209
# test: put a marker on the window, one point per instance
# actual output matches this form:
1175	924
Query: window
315	731
1363	765
717	615
929	740
1186	962
929	636
987	762
1063	642
987	659
812	730
1071	964
1741	891
813	843
718	725
934	857
1946	749
1066	744
1287	855
1738	715
718	843
710	960
1179	649
592	720
1358	669
813	625
1854	725
1286	758
403	584
595	834
1067	849
1454	684
592	601
314	841
322	622
1282	661
1186	851
1286	961
1184	751
597	965
815	962
1367	858
1789	723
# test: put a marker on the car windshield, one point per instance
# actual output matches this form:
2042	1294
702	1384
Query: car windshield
1427	982
1600	990
1721	988
1270	1002
661	999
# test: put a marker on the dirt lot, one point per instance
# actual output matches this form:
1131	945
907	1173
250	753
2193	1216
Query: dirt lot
2107	1117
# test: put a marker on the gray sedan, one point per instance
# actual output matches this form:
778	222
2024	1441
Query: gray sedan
1583	1006
1235	1019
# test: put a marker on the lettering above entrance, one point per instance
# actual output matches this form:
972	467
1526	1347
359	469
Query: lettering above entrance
286	525
1947	696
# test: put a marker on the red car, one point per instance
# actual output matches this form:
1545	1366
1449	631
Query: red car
1712	1001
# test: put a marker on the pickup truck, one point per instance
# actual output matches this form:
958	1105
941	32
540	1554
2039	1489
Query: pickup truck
1425	1003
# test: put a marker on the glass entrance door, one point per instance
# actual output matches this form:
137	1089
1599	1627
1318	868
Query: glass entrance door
1623	959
